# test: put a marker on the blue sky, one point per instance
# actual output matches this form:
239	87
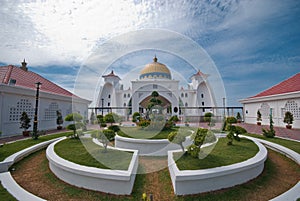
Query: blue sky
253	44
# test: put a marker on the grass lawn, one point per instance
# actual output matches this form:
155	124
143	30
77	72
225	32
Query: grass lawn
221	155
75	151
293	145
139	133
11	148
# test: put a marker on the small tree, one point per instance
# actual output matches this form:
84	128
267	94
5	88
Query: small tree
270	133
76	118
177	138
231	129
209	117
104	137
59	120
25	122
258	117
288	119
112	118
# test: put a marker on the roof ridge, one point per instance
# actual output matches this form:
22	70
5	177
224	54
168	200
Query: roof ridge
8	74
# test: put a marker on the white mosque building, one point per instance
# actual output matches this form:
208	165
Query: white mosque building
156	76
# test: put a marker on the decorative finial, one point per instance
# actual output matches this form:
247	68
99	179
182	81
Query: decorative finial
155	59
24	64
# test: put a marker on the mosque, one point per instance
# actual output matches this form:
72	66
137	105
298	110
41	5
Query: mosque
155	76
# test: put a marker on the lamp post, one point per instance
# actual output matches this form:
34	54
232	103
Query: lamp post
35	122
102	102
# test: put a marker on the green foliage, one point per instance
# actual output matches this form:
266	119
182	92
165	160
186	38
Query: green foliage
112	118
177	138
25	121
76	118
59	118
288	118
174	118
237	131
258	116
238	116
193	150
269	133
143	123
231	120
209	117
230	137
100	119
109	134
103	125
115	128
136	116
200	136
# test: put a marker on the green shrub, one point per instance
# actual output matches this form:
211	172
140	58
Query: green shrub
231	120
174	118
110	134
115	128
143	123
103	125
193	150
136	116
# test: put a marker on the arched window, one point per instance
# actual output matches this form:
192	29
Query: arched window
182	95
202	95
202	103
186	95
124	95
128	95
186	104
124	104
108	95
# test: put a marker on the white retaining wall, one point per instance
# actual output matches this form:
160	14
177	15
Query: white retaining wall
199	181
149	147
5	165
119	182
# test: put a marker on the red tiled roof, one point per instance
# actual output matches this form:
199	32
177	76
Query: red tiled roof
289	85
28	79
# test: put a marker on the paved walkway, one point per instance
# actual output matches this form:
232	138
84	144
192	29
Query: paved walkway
251	128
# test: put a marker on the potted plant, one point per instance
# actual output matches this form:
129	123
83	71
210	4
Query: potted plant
238	117
258	118
59	120
25	123
288	118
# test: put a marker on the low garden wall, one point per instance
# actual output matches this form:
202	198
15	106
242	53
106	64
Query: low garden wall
9	161
149	147
199	181
119	182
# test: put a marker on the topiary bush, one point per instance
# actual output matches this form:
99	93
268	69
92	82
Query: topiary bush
177	138
115	128
193	150
136	116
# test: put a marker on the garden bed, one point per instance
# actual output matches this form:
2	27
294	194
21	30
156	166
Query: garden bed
220	175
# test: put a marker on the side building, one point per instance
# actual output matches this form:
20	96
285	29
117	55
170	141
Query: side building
18	94
280	98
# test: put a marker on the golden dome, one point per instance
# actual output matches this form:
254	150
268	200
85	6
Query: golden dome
155	70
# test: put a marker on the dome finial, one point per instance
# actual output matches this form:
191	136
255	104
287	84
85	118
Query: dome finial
155	59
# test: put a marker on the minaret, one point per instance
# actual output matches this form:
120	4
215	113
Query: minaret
24	64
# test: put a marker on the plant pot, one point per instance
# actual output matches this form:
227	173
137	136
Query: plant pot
26	133
288	126
59	127
258	123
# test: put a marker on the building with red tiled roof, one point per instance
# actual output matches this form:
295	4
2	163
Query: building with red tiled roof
17	94
278	99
